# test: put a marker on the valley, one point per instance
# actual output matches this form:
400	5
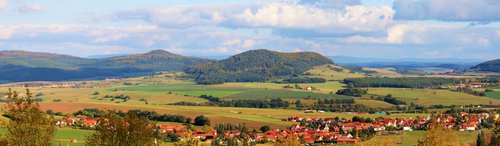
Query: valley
319	90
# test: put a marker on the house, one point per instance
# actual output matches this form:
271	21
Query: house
468	126
378	127
90	122
305	87
171	128
406	128
477	85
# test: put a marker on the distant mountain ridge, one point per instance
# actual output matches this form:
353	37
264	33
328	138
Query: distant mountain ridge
488	66
16	66
257	65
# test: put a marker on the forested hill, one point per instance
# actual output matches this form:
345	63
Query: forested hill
257	65
156	60
16	66
38	59
488	66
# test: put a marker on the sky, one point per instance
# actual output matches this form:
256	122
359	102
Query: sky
468	29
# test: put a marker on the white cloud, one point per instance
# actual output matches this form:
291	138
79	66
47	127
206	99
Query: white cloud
3	4
31	8
295	16
448	10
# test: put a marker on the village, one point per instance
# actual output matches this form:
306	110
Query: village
310	130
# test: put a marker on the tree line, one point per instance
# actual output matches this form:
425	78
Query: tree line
404	82
250	103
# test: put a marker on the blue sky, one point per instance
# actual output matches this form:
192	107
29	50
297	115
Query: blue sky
360	28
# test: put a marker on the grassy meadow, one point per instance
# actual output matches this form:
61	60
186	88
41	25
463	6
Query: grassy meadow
432	96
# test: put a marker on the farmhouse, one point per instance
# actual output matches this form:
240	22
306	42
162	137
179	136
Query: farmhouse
171	128
305	87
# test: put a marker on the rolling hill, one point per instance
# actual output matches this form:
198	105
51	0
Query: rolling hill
156	60
256	66
488	66
17	66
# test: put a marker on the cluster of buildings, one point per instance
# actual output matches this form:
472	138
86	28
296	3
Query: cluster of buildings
341	130
315	130
79	120
471	85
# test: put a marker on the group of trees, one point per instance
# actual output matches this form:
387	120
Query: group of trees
131	129
389	99
303	80
257	66
470	91
28	125
150	115
250	103
356	92
405	82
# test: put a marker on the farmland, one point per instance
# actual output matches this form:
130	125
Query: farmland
495	95
332	72
156	93
432	96
410	138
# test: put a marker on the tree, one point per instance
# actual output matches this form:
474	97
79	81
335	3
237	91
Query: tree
188	120
480	140
265	128
201	121
28	125
288	140
131	129
438	134
189	140
495	135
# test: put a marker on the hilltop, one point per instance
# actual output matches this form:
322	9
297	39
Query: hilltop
488	66
16	66
40	59
257	65
156	60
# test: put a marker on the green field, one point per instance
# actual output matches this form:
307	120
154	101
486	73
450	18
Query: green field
432	97
281	94
495	95
185	89
374	103
410	138
64	135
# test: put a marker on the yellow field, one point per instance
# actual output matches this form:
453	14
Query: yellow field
332	72
383	72
374	103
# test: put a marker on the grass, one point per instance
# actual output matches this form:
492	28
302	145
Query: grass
432	97
374	103
410	138
281	94
332	72
494	95
383	72
185	89
64	135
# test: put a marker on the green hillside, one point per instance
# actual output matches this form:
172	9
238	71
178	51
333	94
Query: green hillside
257	65
488	66
17	66
157	60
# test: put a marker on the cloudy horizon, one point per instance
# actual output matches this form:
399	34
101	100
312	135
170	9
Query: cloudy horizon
359	28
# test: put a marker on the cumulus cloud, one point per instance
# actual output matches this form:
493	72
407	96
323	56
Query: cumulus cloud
448	10
296	16
31	8
3	4
182	16
339	17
